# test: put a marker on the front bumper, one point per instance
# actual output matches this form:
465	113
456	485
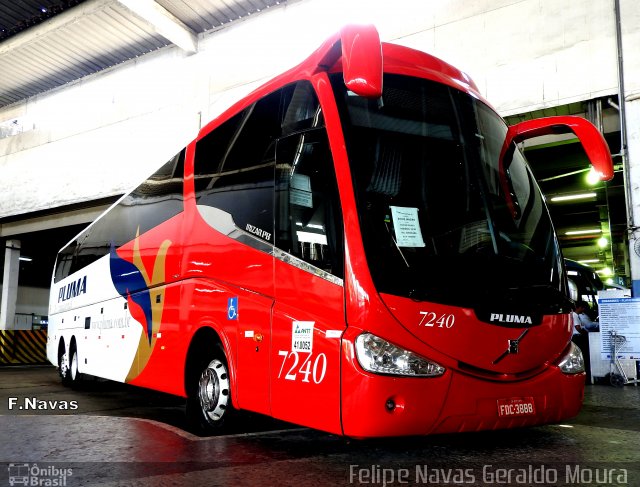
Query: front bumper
454	402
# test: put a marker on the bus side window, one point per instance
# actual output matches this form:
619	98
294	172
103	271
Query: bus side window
153	202
301	108
234	163
309	219
234	167
64	262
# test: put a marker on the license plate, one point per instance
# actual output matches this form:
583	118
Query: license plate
516	406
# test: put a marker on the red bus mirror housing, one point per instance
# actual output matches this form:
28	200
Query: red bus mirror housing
362	60
591	139
358	50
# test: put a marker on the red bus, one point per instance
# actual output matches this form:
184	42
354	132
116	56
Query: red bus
358	246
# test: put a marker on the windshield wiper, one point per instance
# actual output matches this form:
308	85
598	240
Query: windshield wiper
396	244
538	294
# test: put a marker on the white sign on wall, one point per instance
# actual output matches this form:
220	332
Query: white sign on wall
620	316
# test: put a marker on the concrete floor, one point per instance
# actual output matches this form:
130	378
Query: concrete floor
121	435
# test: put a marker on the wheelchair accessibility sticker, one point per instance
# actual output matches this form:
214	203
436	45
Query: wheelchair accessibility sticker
232	308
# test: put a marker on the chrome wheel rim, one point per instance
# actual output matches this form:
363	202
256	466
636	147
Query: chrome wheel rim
74	366
213	391
64	368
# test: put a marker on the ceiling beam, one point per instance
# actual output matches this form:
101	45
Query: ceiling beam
164	23
47	222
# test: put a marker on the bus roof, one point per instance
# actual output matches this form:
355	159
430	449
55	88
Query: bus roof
330	57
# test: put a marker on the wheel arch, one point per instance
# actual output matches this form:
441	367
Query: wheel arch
61	350
73	345
62	346
203	341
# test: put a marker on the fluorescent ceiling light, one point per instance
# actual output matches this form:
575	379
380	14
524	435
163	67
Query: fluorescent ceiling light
26	259
583	232
592	177
603	242
570	197
589	261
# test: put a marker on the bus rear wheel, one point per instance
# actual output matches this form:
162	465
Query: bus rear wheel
73	366
63	365
75	378
209	396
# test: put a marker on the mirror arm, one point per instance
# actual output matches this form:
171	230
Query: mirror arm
589	136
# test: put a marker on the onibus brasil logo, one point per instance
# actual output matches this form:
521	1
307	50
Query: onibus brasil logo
35	475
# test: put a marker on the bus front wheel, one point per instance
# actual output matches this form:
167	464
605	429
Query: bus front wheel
209	396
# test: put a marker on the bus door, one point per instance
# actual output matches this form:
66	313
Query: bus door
308	315
252	315
234	189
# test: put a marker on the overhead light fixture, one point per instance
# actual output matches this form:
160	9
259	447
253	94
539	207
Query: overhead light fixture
603	242
592	177
25	259
571	197
606	271
589	261
584	232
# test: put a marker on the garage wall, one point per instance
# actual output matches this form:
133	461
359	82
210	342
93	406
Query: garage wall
31	300
527	55
103	134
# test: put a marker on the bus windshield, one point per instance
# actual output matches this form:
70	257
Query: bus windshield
442	218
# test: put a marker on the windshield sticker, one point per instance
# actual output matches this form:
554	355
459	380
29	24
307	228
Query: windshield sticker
300	191
301	198
302	336
407	227
301	182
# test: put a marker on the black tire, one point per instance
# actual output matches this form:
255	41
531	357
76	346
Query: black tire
63	366
616	380
209	393
75	377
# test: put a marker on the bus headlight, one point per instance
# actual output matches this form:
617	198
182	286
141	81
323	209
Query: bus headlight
381	357
572	362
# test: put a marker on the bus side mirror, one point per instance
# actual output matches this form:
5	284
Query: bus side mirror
362	60
591	139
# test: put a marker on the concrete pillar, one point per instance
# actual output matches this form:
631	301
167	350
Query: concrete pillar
10	284
633	158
